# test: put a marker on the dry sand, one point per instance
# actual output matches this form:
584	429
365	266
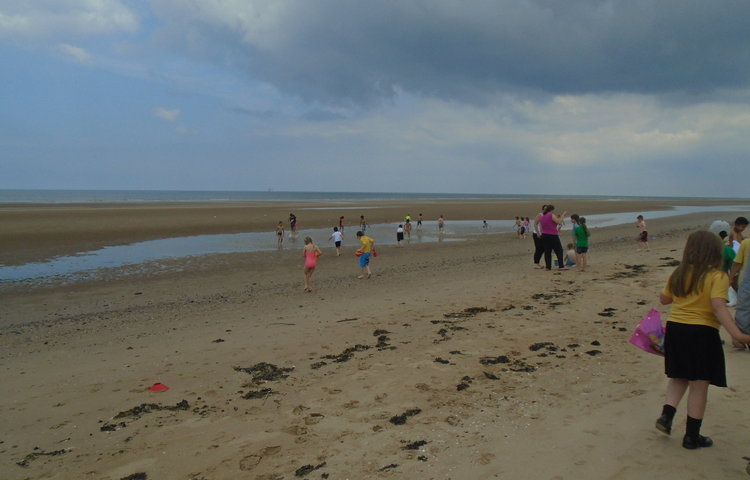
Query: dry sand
567	398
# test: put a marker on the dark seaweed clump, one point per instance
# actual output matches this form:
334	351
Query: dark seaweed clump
538	346
401	419
388	467
306	469
34	455
265	372
593	352
415	445
441	360
136	476
467	312
139	411
494	360
347	354
262	393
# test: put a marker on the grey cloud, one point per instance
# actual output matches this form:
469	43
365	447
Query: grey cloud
343	52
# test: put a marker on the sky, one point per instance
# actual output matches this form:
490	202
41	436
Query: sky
581	97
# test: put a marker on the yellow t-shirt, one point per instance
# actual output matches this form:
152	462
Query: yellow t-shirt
366	243
742	255
696	309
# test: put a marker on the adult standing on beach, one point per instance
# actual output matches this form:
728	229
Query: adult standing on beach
293	224
537	236
693	355
643	235
365	250
551	224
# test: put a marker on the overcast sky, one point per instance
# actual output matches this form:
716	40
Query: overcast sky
627	97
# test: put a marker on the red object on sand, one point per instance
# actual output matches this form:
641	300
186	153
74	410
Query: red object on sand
158	387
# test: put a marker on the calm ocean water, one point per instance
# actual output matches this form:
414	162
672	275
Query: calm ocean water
116	196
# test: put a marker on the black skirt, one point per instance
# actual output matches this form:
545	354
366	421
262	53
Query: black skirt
694	352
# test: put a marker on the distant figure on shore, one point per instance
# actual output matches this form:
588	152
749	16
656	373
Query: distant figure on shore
407	218
526	226
551	223
337	237
419	222
519	227
400	236
362	224
311	252
441	224
341	224
279	234
537	236
693	354
643	235
582	234
485	225
407	230
365	250
292	224
736	236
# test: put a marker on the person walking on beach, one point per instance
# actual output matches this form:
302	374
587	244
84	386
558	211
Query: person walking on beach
441	224
693	354
367	245
582	234
419	222
279	234
643	235
337	237
362	223
551	223
537	236
293	224
526	227
311	252
407	230
341	224
400	236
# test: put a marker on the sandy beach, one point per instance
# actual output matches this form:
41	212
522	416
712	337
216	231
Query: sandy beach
456	360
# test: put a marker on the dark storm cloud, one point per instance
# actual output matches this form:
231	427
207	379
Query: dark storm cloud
338	51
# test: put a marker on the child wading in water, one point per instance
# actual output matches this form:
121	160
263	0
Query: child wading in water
311	252
693	354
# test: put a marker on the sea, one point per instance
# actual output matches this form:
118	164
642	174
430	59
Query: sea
140	196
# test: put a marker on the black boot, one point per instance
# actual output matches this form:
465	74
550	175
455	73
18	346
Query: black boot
664	423
693	438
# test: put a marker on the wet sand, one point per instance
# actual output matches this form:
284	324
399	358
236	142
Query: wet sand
456	360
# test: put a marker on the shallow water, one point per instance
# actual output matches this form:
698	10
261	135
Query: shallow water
85	263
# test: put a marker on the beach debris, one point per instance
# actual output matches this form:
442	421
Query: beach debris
401	419
158	387
347	320
218	340
380	332
41	453
455	352
633	271
422	458
137	412
671	263
383	343
507	308
596	343
607	312
441	360
317	365
468	312
388	467
415	445
491	376
593	352
265	372
307	469
136	476
262	393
